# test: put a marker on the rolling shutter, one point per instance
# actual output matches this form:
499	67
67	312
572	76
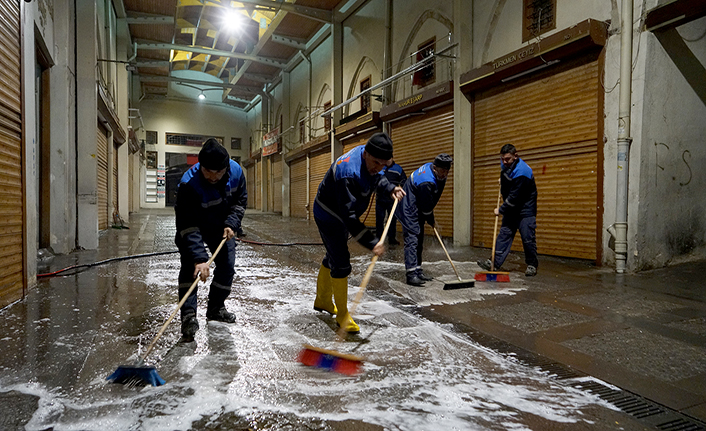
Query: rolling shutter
258	184
416	141
250	181
102	176
297	188
276	181
552	119
115	177
319	163
11	197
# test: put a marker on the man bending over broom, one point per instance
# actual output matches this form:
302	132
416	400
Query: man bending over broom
343	196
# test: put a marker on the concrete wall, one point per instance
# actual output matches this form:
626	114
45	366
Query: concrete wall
671	203
174	116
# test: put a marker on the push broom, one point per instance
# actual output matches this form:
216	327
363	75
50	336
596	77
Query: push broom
493	275
134	375
336	361
449	285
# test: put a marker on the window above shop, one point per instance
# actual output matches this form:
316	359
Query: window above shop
538	17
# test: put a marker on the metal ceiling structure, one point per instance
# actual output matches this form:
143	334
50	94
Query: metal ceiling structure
237	46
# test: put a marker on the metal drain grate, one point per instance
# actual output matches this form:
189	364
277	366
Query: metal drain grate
662	418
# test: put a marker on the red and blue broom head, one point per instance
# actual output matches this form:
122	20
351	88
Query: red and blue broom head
330	360
136	375
498	276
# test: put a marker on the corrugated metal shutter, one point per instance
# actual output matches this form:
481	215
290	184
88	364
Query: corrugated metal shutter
115	177
319	163
250	180
276	181
416	141
131	182
297	187
102	176
11	197
258	184
553	121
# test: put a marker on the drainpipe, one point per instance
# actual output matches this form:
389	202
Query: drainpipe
387	61
624	139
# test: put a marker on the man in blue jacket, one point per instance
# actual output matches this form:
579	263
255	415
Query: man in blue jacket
210	205
423	190
519	210
383	204
342	197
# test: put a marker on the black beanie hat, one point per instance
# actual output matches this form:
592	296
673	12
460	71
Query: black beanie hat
443	161
213	156
379	146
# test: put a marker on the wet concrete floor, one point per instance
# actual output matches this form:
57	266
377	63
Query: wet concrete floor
563	350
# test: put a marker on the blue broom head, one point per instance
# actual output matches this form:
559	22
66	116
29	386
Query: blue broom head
134	375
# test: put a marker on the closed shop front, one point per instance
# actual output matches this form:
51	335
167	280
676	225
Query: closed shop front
553	117
319	163
102	176
250	181
276	183
12	260
420	131
298	197
258	184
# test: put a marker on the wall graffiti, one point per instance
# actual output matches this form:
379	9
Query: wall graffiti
665	151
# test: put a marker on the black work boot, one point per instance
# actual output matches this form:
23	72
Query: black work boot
189	326
221	315
413	279
422	276
485	264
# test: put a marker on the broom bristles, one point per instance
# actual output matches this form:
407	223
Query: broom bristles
498	276
330	360
134	375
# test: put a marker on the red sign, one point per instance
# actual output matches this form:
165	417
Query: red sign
270	143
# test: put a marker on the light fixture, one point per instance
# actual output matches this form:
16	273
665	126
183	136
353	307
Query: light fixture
202	96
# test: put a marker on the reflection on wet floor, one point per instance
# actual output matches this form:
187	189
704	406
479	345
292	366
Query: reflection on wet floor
71	332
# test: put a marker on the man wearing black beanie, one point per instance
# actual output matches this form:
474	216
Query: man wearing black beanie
423	190
343	196
211	201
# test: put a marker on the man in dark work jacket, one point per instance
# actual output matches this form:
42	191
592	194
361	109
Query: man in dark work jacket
383	204
423	190
343	195
210	205
519	211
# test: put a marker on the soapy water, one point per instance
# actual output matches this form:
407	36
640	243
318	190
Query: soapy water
417	374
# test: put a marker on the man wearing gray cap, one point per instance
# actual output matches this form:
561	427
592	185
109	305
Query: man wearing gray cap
423	190
343	196
210	205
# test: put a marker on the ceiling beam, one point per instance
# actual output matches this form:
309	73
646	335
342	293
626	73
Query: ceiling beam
143	44
152	63
211	84
294	43
150	19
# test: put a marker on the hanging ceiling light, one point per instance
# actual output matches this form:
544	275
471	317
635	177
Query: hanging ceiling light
202	96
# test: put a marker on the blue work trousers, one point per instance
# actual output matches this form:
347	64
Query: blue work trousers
510	225
382	209
222	276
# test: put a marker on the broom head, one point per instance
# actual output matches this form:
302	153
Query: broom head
136	375
330	360
499	276
459	284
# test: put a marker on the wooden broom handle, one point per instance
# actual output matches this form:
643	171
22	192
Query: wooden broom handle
181	303
366	278
447	253
495	231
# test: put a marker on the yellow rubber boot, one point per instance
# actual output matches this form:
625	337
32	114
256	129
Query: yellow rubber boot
340	295
324	293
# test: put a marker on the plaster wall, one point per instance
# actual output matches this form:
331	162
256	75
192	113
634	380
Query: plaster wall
671	207
299	100
363	51
321	84
254	123
176	116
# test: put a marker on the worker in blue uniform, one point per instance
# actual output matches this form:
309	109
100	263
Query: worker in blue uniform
383	204
342	197
423	190
211	201
519	211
